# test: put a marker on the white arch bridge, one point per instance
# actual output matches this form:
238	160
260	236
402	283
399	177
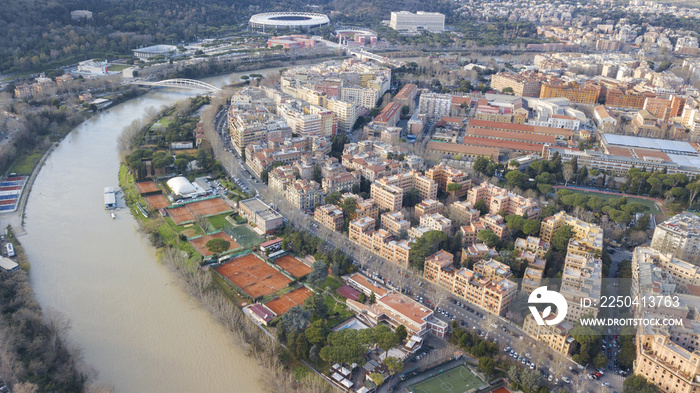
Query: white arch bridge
180	83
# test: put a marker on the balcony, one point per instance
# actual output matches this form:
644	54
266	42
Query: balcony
673	368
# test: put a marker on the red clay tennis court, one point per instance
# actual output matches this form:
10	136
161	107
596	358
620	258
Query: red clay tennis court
146	187
157	201
501	390
283	303
253	275
180	215
200	243
294	266
208	207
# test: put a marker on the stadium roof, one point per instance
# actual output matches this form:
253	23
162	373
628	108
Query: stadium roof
649	143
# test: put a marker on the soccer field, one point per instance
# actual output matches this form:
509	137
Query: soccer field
457	380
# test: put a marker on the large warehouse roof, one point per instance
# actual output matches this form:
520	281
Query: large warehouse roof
181	186
649	143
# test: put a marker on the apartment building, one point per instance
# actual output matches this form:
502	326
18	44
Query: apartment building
470	233
343	181
362	232
533	244
329	216
499	199
668	365
303	194
436	222
496	224
435	105
477	252
492	269
678	236
280	177
616	98
532	279
428	206
523	84
586	236
365	207
427	189
556	337
445	175
493	296
581	279
574	92
394	222
248	126
463	212
386	196
683	273
346	112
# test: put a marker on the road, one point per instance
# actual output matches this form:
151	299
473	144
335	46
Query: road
407	281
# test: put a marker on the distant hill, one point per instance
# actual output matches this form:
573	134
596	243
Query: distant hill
39	34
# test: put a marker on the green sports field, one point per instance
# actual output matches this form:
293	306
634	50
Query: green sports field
243	236
457	380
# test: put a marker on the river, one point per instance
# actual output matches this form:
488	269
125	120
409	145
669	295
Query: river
130	318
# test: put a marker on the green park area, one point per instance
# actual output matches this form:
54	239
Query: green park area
653	208
457	380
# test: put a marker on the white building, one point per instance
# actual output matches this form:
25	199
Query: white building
435	105
404	20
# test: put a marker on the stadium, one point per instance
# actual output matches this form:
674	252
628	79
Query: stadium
288	21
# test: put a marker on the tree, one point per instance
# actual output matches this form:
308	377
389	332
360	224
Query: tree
411	198
487	365
638	384
480	164
344	347
318	275
405	110
454	187
488	237
217	246
561	237
480	205
401	332
568	172
316	306
295	319
333	198
386	339
317	332
516	179
316	174
377	378
302	346
507	90
393	364
372	298
531	227
531	380
426	246
362	298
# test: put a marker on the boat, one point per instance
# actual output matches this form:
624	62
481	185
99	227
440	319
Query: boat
114	216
